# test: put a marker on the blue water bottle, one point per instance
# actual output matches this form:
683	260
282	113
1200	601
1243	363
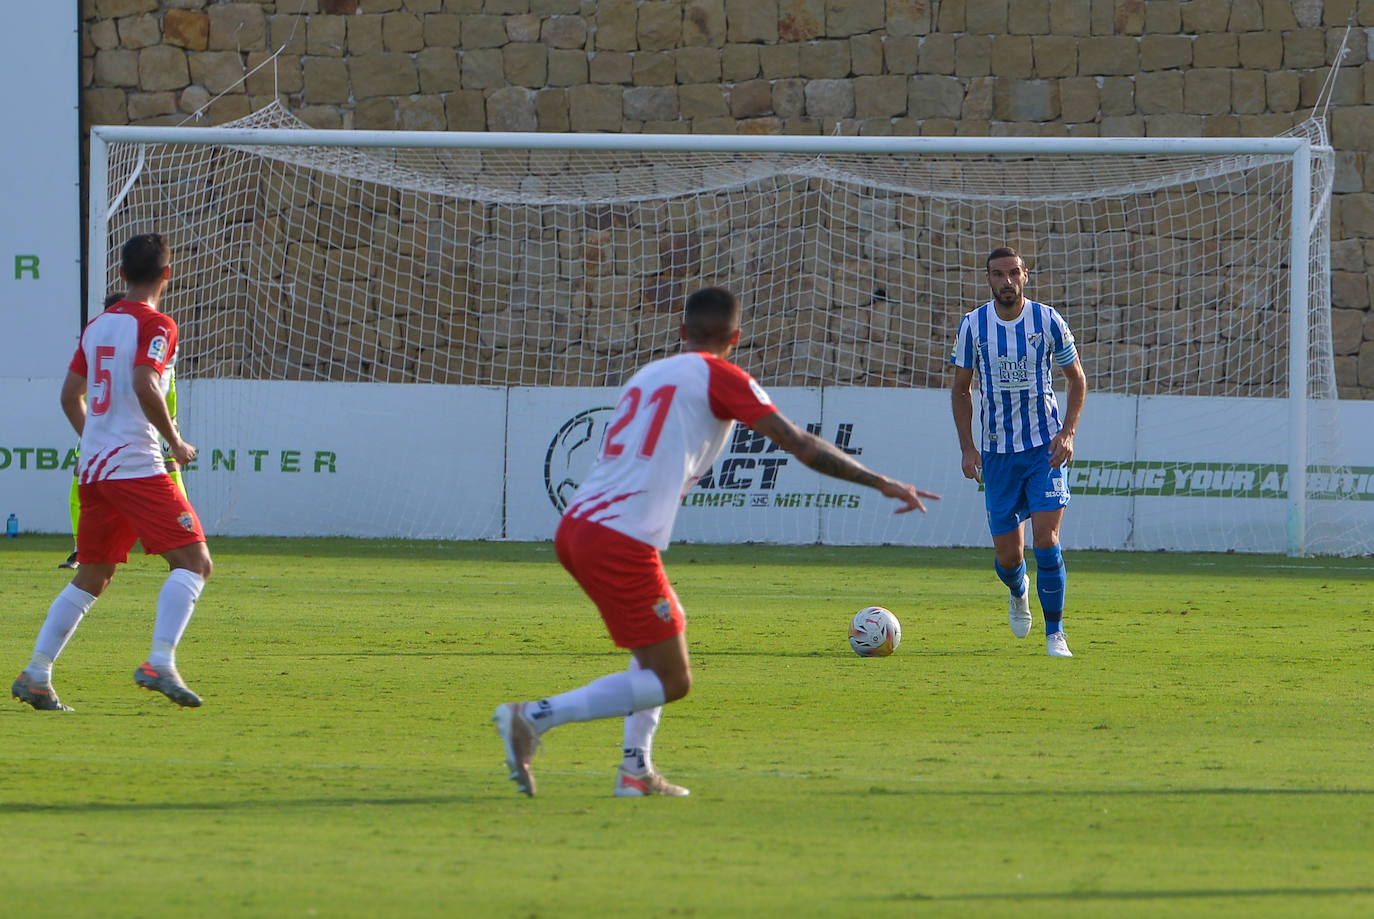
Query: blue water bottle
12	527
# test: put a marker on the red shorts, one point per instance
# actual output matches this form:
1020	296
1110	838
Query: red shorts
625	579
117	512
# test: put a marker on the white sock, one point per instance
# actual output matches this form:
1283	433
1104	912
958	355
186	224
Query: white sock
175	604
639	739
605	697
65	614
639	735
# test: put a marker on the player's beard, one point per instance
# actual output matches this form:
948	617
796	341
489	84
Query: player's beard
1008	297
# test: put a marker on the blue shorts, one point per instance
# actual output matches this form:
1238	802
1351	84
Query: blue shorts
1017	485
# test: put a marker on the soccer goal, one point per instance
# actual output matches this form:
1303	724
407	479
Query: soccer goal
409	334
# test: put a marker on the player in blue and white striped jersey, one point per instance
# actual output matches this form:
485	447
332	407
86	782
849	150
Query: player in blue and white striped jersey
1014	344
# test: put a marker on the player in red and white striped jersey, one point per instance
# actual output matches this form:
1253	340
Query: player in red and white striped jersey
173	470
671	422
115	397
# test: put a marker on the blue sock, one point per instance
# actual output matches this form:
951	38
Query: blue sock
1050	582
1012	577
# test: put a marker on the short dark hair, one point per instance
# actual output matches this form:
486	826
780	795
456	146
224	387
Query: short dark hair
112	299
1002	252
144	257
712	314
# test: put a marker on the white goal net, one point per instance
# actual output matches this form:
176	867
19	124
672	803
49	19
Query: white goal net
380	331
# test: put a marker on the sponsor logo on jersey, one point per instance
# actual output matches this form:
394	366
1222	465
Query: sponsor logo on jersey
572	451
157	348
1013	372
758	392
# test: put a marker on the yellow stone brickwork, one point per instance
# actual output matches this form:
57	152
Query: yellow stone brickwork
906	67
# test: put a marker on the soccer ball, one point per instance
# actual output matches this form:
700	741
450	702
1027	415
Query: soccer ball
874	632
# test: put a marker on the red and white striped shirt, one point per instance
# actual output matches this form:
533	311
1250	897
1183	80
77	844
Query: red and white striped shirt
119	442
671	421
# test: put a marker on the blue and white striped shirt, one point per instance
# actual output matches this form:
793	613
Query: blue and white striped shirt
1013	360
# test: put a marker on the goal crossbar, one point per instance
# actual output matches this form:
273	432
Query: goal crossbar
706	143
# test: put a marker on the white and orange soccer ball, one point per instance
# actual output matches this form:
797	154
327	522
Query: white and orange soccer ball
874	632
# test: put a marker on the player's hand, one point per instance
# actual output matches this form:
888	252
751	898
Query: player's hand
973	465
182	452
909	495
1061	449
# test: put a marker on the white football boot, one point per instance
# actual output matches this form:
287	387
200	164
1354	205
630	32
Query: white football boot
1018	610
1056	645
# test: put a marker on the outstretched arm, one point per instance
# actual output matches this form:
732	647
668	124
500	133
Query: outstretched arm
826	458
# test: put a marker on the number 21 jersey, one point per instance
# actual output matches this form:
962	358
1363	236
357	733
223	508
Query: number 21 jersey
671	421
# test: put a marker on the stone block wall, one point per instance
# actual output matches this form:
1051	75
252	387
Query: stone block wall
908	67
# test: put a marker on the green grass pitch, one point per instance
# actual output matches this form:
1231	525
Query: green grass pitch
1208	752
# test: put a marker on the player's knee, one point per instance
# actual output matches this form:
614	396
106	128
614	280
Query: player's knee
92	580
196	562
1009	559
676	685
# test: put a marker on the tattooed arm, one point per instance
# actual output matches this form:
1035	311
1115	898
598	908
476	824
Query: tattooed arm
826	458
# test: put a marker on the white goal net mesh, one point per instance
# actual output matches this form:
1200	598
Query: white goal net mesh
501	269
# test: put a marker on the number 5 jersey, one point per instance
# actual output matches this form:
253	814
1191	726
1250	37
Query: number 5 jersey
119	442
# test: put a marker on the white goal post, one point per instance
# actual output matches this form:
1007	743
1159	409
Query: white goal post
379	328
